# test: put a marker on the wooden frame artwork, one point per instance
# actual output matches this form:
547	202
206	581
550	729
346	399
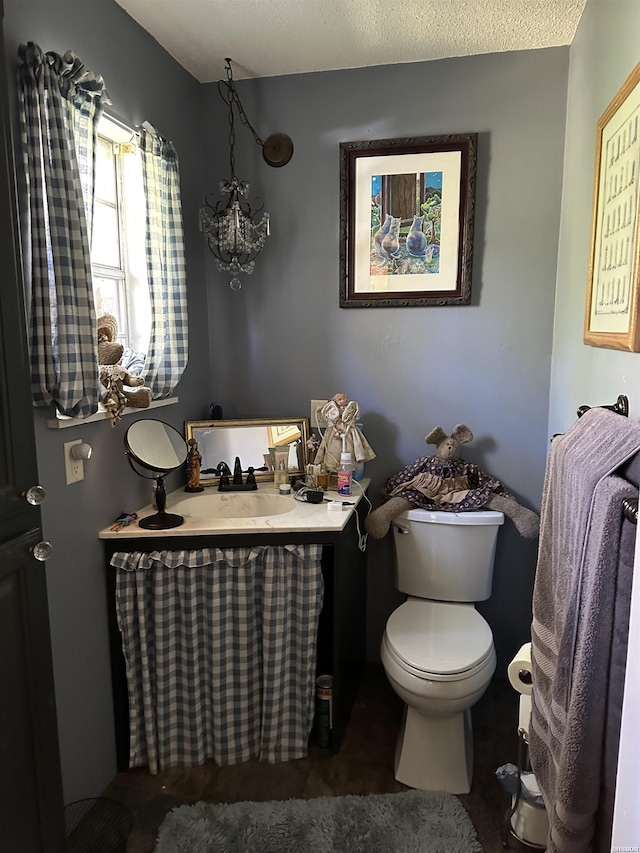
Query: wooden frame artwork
611	315
406	221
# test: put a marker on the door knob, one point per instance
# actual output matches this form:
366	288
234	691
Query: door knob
35	495
43	550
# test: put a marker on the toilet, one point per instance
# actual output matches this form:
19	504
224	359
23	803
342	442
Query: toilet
437	650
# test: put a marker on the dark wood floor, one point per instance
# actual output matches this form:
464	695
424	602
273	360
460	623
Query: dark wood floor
364	765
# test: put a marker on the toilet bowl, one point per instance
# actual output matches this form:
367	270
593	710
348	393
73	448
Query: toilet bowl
437	650
439	658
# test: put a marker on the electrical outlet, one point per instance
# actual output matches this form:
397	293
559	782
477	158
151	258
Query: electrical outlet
74	468
316	420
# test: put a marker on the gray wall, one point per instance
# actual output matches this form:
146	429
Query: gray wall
283	339
144	83
604	53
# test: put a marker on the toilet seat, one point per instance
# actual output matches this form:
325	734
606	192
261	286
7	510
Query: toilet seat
439	641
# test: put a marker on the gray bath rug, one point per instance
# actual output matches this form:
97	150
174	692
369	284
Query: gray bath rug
408	822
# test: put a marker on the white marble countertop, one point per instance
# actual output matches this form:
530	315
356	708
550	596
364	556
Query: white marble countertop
212	512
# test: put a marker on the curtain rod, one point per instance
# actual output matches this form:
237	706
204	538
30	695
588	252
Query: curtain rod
121	123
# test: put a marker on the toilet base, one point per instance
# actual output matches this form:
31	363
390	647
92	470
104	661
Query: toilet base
435	753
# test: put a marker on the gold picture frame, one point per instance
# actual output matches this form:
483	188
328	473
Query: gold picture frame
250	439
611	313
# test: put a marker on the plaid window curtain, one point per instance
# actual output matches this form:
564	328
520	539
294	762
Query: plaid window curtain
166	271
60	103
220	652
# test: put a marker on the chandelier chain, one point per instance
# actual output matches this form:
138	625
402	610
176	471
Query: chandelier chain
235	232
230	99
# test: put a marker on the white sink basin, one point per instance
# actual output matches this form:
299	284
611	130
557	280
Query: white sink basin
233	505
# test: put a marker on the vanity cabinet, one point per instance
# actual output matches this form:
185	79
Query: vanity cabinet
342	623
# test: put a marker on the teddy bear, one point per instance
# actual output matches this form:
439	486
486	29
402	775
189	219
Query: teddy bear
446	482
116	379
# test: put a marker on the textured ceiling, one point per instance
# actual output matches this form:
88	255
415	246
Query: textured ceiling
267	38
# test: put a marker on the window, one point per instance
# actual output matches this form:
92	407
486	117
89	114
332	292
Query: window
118	262
140	271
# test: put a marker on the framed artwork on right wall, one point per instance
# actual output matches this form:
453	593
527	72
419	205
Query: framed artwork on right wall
613	290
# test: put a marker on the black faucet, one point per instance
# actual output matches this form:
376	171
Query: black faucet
236	485
223	470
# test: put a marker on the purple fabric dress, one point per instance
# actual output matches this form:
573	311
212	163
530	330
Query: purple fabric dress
451	485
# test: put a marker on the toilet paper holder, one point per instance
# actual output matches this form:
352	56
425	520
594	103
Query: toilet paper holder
524	821
524	675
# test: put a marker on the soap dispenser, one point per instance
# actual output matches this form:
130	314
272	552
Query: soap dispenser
281	475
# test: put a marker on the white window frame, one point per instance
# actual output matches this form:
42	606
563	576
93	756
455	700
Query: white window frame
136	312
132	256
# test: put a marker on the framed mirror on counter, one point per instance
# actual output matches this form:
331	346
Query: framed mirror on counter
257	443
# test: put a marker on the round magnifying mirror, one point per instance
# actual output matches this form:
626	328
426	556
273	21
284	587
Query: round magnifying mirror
160	449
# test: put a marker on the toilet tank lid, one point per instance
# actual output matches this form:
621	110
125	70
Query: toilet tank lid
474	517
439	637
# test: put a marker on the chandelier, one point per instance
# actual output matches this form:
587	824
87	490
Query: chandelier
235	232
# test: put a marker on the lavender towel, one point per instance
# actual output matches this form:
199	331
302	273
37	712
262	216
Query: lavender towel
573	609
615	694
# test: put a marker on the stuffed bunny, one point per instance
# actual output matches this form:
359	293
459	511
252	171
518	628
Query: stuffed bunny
446	482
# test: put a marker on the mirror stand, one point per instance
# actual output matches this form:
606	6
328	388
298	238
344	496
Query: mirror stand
160	449
161	520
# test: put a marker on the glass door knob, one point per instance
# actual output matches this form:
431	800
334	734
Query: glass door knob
35	495
42	551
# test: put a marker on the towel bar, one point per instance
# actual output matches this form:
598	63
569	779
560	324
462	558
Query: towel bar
630	509
620	407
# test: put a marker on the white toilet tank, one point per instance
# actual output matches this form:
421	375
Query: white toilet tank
446	556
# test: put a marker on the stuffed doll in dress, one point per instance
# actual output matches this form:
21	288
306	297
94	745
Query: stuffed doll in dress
341	415
446	482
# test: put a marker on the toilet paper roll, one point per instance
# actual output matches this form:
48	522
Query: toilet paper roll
519	670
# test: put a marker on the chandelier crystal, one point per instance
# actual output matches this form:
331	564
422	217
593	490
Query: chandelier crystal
235	232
